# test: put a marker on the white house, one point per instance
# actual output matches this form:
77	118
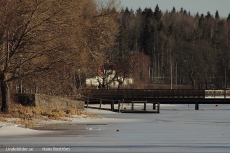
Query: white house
109	75
96	81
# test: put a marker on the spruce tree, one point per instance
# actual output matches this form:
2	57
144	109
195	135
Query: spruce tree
123	43
181	10
208	16
228	19
173	10
157	13
217	15
201	21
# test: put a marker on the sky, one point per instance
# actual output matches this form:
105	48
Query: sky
194	6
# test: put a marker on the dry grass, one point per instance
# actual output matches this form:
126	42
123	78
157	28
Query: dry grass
24	114
2	119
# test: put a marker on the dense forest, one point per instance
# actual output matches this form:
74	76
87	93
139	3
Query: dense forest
183	49
52	46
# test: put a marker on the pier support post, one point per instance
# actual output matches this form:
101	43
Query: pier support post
196	106
145	105
112	106
132	107
154	106
100	104
158	108
119	106
87	103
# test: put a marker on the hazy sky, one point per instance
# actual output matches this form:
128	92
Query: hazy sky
194	6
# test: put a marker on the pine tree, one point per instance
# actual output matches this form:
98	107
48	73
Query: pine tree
201	21
157	13
228	19
208	16
185	12
123	43
173	10
217	15
181	10
171	29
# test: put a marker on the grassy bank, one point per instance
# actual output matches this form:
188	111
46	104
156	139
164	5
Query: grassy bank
26	115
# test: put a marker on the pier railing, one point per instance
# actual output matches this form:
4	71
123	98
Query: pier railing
216	94
145	94
162	96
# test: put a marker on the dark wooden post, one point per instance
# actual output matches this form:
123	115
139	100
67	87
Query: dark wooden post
132	107
87	103
145	105
119	106
196	106
154	106
122	103
112	106
100	103
158	108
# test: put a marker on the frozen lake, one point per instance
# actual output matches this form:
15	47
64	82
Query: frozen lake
177	129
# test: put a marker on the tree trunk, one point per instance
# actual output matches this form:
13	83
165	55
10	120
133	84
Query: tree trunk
206	83
118	86
5	96
193	79
193	83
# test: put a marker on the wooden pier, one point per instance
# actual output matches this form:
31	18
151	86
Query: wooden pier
155	97
121	109
144	110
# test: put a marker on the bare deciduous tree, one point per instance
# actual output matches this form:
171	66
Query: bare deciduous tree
66	38
30	40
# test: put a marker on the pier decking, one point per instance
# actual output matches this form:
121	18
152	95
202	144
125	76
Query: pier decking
156	97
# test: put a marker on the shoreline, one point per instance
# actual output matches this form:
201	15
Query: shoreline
57	126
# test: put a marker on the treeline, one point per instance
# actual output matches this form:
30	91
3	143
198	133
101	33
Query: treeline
52	46
183	49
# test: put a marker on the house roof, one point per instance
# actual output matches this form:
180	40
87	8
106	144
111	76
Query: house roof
109	66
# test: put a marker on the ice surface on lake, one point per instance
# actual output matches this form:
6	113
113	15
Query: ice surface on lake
177	129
